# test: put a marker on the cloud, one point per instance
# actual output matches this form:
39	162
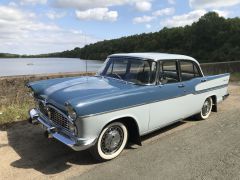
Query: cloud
148	26
87	4
185	19
99	14
33	2
143	6
143	19
222	13
21	32
203	4
171	1
147	19
9	14
13	4
164	12
54	15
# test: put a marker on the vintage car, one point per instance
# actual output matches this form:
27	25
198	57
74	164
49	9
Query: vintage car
132	95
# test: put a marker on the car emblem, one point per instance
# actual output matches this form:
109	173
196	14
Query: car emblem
45	102
48	112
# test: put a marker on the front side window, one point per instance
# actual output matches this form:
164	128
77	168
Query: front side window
168	72
130	69
189	70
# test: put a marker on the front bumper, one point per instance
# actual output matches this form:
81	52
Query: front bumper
77	144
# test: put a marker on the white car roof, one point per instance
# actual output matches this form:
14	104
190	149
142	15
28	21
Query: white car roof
155	56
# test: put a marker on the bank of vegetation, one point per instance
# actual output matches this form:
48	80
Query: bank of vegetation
7	55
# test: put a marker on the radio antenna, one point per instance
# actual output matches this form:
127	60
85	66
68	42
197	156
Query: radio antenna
85	57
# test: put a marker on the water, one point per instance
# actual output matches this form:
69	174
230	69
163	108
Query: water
31	66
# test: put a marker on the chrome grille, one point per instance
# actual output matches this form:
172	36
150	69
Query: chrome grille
42	108
58	118
55	116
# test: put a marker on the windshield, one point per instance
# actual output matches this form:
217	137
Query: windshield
130	69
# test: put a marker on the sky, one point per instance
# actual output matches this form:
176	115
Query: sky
45	26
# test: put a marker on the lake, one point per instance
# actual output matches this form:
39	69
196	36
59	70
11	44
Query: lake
31	66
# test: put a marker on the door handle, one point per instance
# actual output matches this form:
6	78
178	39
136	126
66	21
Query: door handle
203	80
181	86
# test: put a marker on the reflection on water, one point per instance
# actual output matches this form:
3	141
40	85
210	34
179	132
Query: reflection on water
27	66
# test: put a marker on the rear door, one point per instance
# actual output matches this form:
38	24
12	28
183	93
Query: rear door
191	76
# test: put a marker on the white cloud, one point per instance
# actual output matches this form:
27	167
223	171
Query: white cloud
99	14
55	15
222	13
202	4
13	4
143	19
171	1
21	32
189	18
11	14
26	2
185	19
164	12
87	4
143	6
147	19
148	26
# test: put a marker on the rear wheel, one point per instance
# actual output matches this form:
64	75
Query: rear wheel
206	109
111	142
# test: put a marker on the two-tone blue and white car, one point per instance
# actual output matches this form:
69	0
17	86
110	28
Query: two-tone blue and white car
132	95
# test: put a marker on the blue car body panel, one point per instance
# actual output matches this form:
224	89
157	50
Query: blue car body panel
93	95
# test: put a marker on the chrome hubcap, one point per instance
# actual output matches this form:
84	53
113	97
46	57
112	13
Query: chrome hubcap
206	107
112	140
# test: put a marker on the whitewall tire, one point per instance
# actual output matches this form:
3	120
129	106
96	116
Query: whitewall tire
111	142
206	109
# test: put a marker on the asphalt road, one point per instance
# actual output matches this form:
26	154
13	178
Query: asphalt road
186	150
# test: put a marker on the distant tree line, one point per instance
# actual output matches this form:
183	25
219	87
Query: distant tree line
212	38
7	55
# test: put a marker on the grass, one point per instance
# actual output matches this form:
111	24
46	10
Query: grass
235	76
14	112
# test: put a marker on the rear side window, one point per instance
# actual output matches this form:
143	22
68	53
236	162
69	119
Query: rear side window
168	72
189	70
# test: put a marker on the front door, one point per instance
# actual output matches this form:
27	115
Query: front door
170	94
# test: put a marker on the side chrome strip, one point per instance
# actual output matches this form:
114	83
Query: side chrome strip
210	89
151	102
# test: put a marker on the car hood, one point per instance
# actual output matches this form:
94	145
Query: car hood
62	90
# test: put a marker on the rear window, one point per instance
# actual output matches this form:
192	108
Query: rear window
189	70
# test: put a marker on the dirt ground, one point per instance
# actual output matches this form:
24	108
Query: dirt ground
26	154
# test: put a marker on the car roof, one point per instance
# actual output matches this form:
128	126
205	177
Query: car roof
154	56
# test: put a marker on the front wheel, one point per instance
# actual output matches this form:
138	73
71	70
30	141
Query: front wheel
206	109
111	142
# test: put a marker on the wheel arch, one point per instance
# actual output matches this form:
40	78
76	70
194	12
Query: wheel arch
132	127
214	99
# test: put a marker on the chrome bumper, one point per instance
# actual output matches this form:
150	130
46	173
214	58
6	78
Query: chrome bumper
77	144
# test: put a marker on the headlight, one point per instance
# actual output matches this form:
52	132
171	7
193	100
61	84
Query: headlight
71	112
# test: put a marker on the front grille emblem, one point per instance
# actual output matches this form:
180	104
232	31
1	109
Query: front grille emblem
48	112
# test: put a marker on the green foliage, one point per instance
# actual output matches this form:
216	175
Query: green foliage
212	38
7	55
